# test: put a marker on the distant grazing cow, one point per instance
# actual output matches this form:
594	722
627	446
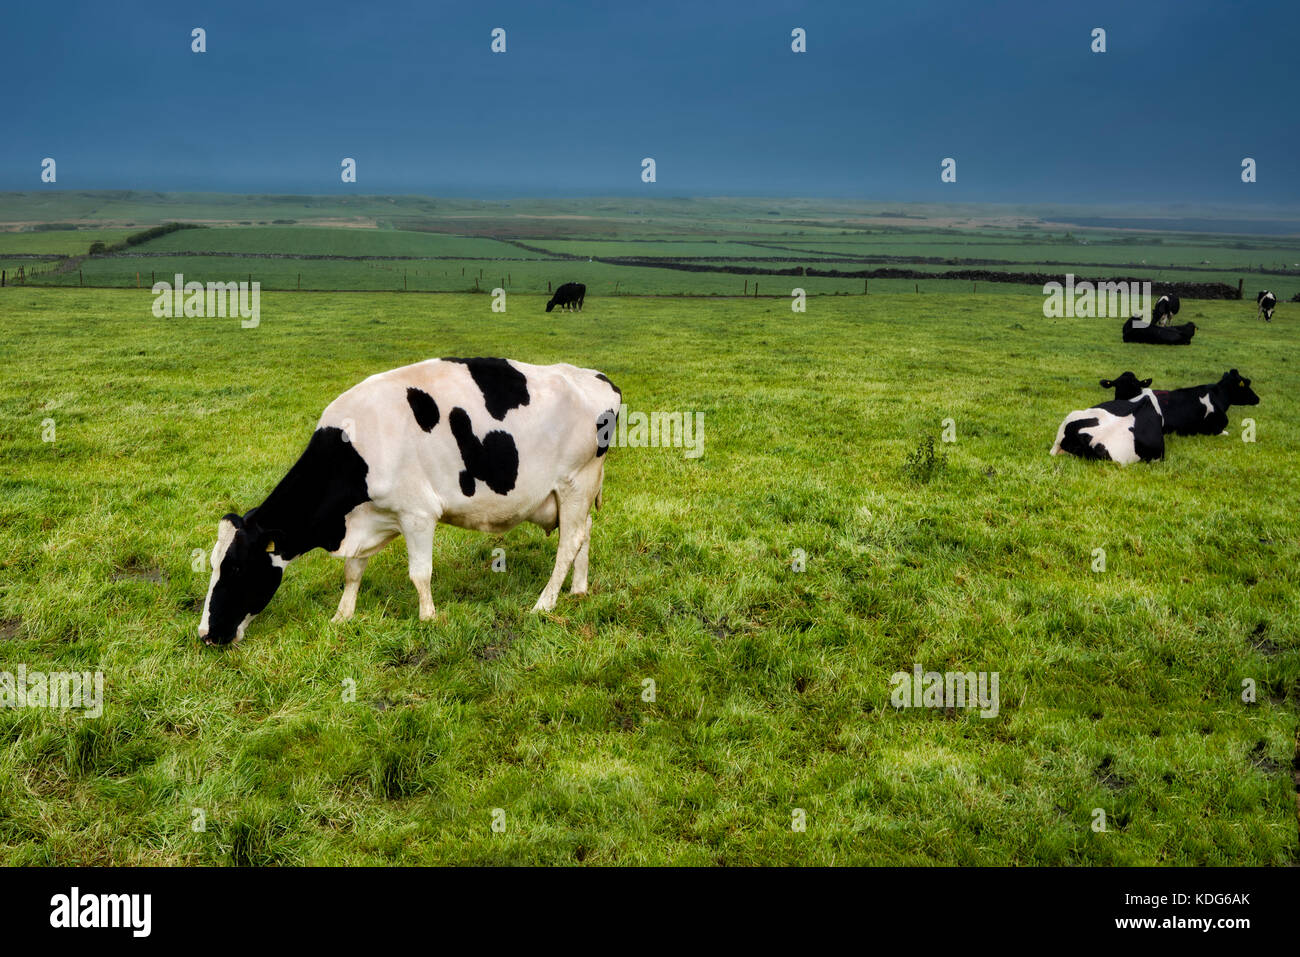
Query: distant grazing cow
1267	303
478	443
1165	308
1135	331
569	296
1126	385
1122	430
1203	409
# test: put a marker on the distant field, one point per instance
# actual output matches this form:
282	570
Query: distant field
61	242
315	240
1120	690
418	244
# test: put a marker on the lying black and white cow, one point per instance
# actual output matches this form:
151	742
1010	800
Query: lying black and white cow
1165	308
1122	430
1267	303
1203	409
569	296
478	443
1150	333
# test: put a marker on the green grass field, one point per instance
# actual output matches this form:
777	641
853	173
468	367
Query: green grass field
1120	690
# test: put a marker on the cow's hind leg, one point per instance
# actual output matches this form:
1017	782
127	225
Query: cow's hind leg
575	529
418	532
580	562
353	569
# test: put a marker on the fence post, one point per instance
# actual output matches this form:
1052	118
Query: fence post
1240	284
548	285
755	288
918	288
80	280
300	282
2	278
746	287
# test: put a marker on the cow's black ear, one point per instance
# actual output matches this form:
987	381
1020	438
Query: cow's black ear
234	519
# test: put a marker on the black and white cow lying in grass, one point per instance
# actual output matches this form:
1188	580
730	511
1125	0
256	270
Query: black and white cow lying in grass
1166	307
1203	409
1267	302
1150	333
478	443
1124	430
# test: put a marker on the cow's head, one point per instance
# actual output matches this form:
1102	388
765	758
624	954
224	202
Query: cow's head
1126	385
246	571
550	305
1237	389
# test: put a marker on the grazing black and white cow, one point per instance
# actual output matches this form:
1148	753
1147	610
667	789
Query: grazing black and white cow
478	443
1165	308
569	296
1122	430
1150	333
1267	303
1126	385
1203	409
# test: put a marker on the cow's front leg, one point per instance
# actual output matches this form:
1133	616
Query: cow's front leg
353	569
579	584
418	532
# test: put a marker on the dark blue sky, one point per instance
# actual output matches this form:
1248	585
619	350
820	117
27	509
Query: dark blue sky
711	91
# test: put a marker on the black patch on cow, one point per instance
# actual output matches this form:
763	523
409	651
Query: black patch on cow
425	409
308	509
606	423
503	386
494	460
1081	445
604	378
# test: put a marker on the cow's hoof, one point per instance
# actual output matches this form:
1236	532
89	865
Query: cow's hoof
339	618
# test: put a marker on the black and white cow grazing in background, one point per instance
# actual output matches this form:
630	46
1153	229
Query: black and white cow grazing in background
569	296
1203	409
1150	333
478	443
1126	385
1267	303
1165	308
1122	430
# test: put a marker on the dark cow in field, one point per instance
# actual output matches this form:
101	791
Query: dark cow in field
1267	302
1165	308
478	443
569	296
1126	385
1150	333
1122	430
1203	409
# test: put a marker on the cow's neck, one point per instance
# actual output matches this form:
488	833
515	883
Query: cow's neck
309	508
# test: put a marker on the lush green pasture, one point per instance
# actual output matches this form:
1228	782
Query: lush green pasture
1120	690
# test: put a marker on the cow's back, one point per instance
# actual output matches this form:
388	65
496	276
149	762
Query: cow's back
480	442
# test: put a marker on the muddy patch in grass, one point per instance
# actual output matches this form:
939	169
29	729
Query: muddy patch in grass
10	628
135	570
